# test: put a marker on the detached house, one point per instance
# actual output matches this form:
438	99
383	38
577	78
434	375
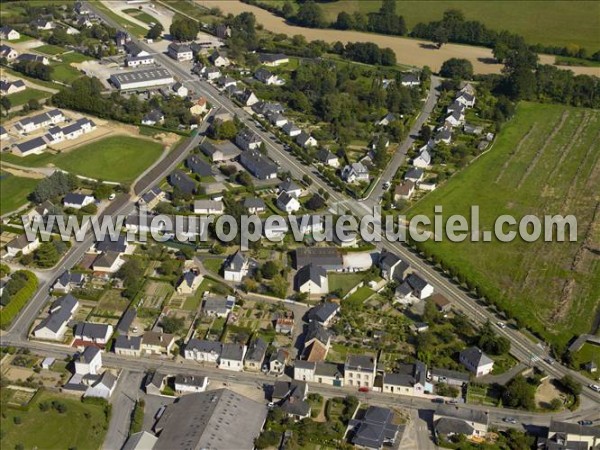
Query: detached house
9	33
323	313
476	361
423	161
421	289
77	201
278	361
255	205
181	181
409	379
287	203
258	165
392	267
414	174
12	87
68	281
410	80
305	140
329	159
185	384
22	245
189	282
247	97
449	420
273	60
218	306
404	191
466	99
54	326
8	52
355	172
93	333
218	59
232	357
312	280
209	207
236	267
266	77
248	140
180	52
153	117
200	107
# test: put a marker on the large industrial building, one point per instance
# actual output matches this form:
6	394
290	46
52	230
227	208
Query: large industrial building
141	79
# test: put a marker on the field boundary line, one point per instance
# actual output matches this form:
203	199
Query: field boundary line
574	139
514	154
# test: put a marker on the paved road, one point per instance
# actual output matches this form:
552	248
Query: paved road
123	401
398	159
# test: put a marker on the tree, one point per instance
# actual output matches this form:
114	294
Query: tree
156	31
279	286
315	203
57	184
440	36
425	133
518	393
287	10
223	130
457	68
344	21
5	103
310	15
172	325
269	269
184	29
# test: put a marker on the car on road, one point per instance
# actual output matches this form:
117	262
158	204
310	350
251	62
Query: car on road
386	185
363	389
438	400
585	423
594	387
501	325
112	196
549	360
510	420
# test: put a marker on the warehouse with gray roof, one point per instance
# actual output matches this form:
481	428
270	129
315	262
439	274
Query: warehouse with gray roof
141	79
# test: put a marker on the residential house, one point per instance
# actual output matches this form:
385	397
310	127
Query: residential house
180	90
93	333
456	107
47	118
219	152
327	257
316	342
142	440
89	361
157	343
319	372
359	370
290	187
292	398
107	262
258	165
203	351
255	356
128	345
473	129
291	130
278	361
305	140
355	172
442	304
180	52
152	198
12	87
209	207
455	119
443	136
421	289
274	229
287	203
414	174
9	33
266	77
54	136
404	190
9	53
54	326
323	313
255	205
154	383
78	128
386	120
77	201
284	323
326	157
35	146
136	61
375	430
216	306
212	73
410	80
42	24
102	387
132	49
68	281
223	31
225	81
126	321
3	133
449	420
108	243
312	280
186	384
567	435
232	357
276	119
248	140
408	379
21	245
476	361
218	59
31	58
153	117
273	60
392	267
181	181
247	97
199	107
236	267
189	282
423	161
263	108
466	99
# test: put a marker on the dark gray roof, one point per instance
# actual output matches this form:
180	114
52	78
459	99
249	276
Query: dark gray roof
132	48
317	331
403	289
388	260
152	194
257	164
75	198
470	415
179	48
88	354
128	342
410	78
573	428
126	320
182	181
375	428
155	115
154	379
91	330
232	351
398	379
108	244
476	356
209	148
296	407
190	380
414	172
448	426
364	362
324	155
256	350
329	369
60	317
204	346
289	185
210	420
322	311
416	282
327	257
269	58
199	166
236	261
254	202
452	374
31	144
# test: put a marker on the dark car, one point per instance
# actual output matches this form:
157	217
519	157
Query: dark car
585	423
438	400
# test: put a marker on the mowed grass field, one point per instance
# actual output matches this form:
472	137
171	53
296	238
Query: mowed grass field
545	161
20	98
115	158
82	426
544	22
14	191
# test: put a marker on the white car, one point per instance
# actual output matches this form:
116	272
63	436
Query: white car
501	325
594	387
112	196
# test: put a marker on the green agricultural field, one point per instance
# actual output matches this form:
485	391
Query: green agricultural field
14	191
20	98
546	160
544	22
140	15
82	425
116	158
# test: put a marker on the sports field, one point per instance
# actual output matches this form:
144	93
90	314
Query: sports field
543	22
14	191
545	161
116	158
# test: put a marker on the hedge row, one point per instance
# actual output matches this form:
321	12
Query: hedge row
10	311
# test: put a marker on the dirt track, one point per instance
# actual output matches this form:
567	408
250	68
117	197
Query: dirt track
411	52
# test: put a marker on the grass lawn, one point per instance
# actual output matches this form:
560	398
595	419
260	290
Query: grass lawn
140	15
48	84
116	158
20	98
129	26
482	395
545	162
343	281
112	303
65	73
360	295
589	352
82	426
550	23
213	264
50	49
14	191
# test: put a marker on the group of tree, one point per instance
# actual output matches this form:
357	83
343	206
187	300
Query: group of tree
17	282
130	274
369	53
56	185
184	29
34	69
519	393
457	68
155	31
490	342
384	21
223	130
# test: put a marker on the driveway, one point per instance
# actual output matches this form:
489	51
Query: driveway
123	401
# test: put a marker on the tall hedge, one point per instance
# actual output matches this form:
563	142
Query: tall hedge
18	300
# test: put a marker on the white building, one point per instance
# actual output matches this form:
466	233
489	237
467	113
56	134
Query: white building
89	362
476	361
232	357
141	79
185	384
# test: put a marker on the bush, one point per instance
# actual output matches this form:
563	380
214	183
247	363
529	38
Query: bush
19	299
